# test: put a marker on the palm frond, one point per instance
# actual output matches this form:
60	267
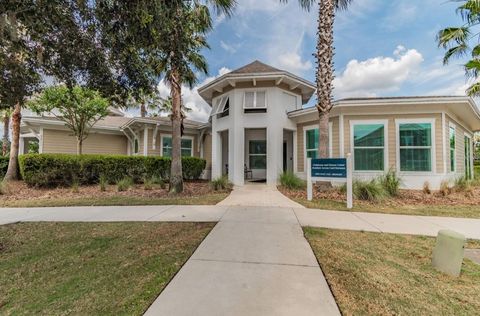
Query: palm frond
304	4
470	11
474	90
457	51
472	68
223	6
458	35
342	4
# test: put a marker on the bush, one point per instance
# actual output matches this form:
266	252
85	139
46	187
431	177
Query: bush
52	170
290	181
3	165
124	184
445	188
221	183
391	182
371	190
426	188
102	181
148	184
462	184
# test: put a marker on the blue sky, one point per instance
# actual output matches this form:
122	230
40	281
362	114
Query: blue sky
383	48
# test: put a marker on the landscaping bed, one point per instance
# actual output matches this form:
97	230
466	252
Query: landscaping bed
196	192
410	202
387	274
91	269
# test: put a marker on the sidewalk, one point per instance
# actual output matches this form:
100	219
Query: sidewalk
256	261
258	195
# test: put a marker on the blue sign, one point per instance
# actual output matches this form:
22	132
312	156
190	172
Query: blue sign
329	168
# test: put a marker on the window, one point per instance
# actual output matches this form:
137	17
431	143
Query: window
452	149
135	146
369	147
255	100
468	157
415	146
186	147
258	154
221	106
311	143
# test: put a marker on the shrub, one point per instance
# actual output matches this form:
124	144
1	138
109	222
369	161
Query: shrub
159	181
3	165
290	181
391	182
148	184
4	188
445	188
221	183
75	185
426	188
103	183
371	190
52	170
124	184
462	184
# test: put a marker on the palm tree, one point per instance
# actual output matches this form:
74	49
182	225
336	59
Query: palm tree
165	106
457	41
325	68
187	23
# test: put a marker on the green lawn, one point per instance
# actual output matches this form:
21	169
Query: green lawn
387	274
207	199
91	269
467	211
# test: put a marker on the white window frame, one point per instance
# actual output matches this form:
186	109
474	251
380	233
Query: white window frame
450	126
254	99
219	105
257	155
162	136
386	164
472	149
433	151
330	143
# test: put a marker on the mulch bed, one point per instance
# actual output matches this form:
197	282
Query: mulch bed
20	191
405	198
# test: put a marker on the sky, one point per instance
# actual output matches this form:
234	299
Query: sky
383	47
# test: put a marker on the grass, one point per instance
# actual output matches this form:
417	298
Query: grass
477	172
207	199
466	211
91	269
387	274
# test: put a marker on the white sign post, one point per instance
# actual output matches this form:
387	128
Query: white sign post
331	170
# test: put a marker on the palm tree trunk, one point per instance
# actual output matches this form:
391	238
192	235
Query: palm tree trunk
6	127
12	171
176	174
143	110
324	73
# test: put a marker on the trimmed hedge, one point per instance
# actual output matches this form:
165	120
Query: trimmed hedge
3	165
51	170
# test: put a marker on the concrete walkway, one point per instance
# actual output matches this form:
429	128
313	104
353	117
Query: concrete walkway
258	195
254	262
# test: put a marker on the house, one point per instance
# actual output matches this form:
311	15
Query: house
259	128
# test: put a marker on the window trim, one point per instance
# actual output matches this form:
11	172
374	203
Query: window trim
255	107
257	155
433	156
454	127
162	136
330	142
219	108
386	164
472	149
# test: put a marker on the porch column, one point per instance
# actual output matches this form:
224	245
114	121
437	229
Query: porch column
216	154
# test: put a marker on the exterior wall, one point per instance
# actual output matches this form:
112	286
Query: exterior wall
207	151
62	141
460	132
156	150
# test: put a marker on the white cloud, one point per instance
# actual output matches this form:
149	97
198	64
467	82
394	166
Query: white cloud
191	98
293	62
377	75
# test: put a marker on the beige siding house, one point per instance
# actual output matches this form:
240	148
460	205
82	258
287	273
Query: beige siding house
259	127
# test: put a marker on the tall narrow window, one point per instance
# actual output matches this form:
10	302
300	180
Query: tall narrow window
415	146
186	147
468	156
311	143
369	147
258	154
452	149
135	146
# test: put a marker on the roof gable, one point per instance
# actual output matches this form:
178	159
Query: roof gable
256	67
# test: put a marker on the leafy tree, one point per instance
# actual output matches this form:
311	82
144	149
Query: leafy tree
461	41
6	129
79	108
325	67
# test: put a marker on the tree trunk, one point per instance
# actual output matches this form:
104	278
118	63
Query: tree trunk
79	146
324	73
6	128
12	171
143	110
176	174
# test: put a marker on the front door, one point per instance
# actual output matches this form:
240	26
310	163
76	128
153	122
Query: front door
468	161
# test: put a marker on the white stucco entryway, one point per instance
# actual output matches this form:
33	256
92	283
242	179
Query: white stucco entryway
258	195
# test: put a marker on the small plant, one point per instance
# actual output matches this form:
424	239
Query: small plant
391	182
159	181
290	181
445	188
220	184
462	184
102	181
426	188
124	184
148	184
371	190
75	185
4	188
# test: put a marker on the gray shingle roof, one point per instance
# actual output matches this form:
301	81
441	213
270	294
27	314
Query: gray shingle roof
255	68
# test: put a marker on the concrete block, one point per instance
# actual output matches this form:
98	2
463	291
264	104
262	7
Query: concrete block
449	251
